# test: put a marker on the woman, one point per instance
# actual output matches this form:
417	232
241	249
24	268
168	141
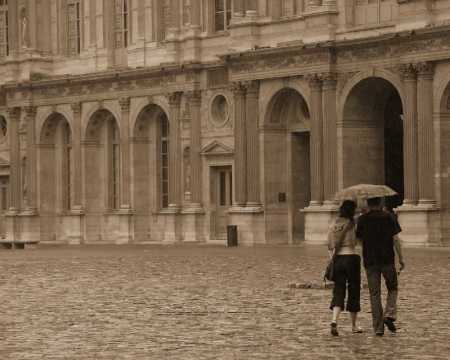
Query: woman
347	266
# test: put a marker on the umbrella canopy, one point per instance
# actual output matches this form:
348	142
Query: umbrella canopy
364	191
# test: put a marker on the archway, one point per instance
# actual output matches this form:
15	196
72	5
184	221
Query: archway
286	166
55	166
150	169
373	136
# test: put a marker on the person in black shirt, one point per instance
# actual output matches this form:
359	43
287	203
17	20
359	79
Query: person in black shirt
378	232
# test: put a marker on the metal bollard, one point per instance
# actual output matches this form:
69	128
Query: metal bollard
232	235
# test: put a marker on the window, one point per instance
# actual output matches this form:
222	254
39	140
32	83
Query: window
164	158
4	40
67	166
115	166
122	23
369	12
222	15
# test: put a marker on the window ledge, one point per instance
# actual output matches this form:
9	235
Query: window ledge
357	28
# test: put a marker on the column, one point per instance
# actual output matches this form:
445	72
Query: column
252	142
329	137
410	134
125	153
195	14
251	8
30	116
195	99
14	146
425	72
315	84
77	157
240	148
174	151
275	9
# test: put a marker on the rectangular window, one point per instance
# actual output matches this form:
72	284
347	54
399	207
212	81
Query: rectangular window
122	23
222	15
4	38
74	27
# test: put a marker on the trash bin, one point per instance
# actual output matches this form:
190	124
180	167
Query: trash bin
232	236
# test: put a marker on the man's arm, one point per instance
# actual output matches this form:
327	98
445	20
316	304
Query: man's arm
398	250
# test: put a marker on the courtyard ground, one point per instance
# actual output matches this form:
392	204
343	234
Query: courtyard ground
203	302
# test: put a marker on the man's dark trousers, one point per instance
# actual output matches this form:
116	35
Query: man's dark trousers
374	273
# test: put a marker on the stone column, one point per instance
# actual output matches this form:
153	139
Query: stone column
425	72
125	153
252	142
195	99
174	151
240	147
30	116
315	84
329	137
15	163
410	134
77	158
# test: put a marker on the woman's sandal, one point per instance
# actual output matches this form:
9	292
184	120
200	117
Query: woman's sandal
333	328
357	330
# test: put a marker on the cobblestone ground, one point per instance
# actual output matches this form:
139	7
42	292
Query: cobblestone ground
200	302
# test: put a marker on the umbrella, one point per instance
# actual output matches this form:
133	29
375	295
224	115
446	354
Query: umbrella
364	191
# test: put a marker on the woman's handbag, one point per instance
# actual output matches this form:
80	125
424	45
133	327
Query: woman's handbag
329	270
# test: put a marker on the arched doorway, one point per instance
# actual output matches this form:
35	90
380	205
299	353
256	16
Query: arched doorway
286	166
372	136
55	172
151	170
102	169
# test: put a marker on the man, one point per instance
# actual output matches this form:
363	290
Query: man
378	231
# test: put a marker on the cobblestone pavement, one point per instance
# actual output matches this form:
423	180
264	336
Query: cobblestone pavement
201	302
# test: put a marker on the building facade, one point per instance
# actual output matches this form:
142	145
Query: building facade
140	121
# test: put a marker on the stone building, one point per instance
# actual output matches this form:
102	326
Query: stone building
136	121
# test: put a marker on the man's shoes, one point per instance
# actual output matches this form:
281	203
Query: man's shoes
389	322
333	328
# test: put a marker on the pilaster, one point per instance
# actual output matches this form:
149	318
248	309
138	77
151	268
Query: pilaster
252	143
14	146
30	116
124	103
410	134
174	151
240	152
316	147
425	74
329	137
77	157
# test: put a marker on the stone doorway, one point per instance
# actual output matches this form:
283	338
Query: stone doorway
221	200
372	136
286	167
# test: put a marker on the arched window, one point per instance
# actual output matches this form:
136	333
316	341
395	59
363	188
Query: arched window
67	177
164	160
222	15
370	12
114	165
73	27
4	39
122	23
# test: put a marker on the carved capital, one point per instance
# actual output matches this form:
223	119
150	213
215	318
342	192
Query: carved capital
315	81
251	87
124	103
238	88
30	112
76	108
14	113
425	69
408	71
194	97
174	98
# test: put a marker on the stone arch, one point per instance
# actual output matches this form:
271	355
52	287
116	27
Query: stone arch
275	89
140	125
95	123
47	130
143	103
394	79
92	111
